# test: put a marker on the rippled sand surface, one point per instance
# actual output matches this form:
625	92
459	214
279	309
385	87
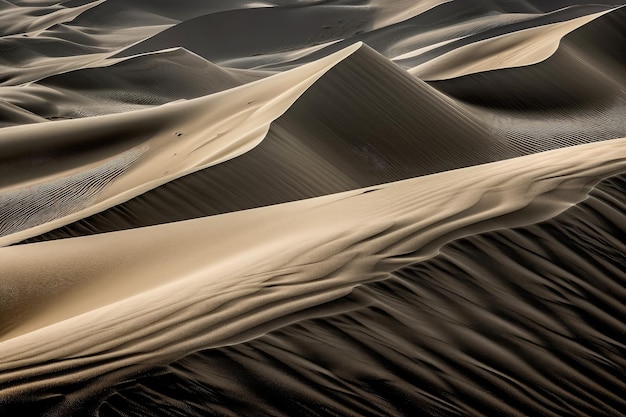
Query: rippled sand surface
312	208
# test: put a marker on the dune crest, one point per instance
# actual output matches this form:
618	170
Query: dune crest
352	238
176	139
524	47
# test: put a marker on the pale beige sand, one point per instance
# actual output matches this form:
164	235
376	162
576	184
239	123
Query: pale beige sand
178	138
524	47
429	47
150	295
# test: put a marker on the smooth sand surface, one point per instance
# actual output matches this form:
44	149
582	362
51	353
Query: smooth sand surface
213	129
520	48
161	283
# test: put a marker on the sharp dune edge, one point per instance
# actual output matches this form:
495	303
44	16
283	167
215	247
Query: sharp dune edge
213	129
516	312
346	207
511	50
312	136
409	220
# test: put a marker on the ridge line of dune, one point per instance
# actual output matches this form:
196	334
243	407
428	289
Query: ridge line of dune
352	237
516	49
180	137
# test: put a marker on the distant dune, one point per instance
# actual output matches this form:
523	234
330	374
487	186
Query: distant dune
312	207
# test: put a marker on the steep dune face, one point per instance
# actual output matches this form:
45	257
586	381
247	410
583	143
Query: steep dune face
501	323
352	238
521	48
213	129
319	207
405	129
493	36
593	78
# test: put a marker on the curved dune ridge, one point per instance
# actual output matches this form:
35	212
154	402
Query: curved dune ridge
516	49
312	207
223	125
474	318
195	302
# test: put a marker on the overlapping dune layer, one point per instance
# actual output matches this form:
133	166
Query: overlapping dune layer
312	208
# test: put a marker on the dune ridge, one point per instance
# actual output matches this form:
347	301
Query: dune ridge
179	137
518	312
414	218
524	47
408	129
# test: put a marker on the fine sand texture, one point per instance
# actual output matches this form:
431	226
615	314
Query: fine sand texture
312	208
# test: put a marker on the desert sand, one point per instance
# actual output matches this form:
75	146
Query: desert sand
352	207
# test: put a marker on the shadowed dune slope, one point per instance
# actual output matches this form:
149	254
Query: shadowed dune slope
11	115
514	322
183	287
131	84
523	321
114	13
595	75
142	81
172	140
276	29
282	29
364	122
312	208
469	26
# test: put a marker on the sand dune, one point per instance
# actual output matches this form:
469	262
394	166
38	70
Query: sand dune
150	136
546	85
32	21
282	29
11	114
524	327
128	84
476	27
143	81
353	238
309	150
520	48
420	132
312	207
116	13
